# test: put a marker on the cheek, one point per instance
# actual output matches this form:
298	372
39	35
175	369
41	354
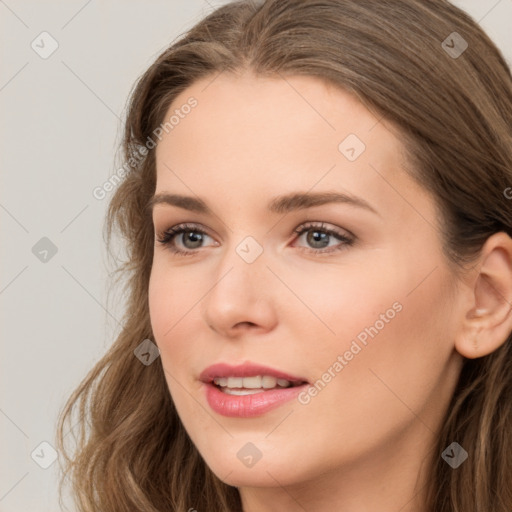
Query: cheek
406	351
170	303
171	310
342	302
394	339
172	293
393	381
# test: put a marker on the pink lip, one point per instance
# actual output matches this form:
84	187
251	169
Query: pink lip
244	370
247	406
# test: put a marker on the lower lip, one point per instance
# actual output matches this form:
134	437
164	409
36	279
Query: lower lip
248	406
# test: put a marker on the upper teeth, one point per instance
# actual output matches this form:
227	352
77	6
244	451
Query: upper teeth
258	381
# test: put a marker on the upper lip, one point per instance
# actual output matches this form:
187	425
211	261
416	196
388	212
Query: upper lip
244	370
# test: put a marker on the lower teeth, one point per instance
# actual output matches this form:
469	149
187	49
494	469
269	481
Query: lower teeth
245	391
231	391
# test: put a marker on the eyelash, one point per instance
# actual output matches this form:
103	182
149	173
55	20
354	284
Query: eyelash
168	236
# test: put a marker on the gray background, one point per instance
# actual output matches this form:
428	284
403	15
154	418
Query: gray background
60	126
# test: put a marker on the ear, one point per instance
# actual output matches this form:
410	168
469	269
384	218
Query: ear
488	316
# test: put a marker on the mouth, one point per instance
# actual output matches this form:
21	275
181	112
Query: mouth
248	390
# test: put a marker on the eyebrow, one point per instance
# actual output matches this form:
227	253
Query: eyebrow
281	204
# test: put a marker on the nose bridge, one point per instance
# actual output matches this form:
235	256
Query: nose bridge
241	267
238	293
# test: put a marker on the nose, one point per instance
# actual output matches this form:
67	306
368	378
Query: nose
242	297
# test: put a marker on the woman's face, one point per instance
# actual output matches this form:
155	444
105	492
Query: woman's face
314	255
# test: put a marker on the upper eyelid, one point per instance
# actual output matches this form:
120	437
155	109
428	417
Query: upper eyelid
323	226
307	223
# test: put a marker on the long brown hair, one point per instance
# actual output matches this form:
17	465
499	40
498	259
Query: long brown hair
452	107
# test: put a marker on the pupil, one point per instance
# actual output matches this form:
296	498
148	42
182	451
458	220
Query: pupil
194	238
318	236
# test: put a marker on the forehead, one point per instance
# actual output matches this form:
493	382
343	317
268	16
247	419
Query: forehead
256	134
281	113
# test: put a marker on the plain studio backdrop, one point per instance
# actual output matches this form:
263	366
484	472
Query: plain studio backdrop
66	71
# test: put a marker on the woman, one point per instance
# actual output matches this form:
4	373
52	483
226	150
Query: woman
318	217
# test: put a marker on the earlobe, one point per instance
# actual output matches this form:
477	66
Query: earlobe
488	319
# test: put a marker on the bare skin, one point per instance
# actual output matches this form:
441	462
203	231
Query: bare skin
360	443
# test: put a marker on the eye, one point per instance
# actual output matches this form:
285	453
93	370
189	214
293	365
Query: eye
318	236
192	238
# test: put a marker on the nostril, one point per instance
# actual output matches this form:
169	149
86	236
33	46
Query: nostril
249	324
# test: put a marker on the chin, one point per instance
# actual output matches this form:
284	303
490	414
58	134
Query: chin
269	471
